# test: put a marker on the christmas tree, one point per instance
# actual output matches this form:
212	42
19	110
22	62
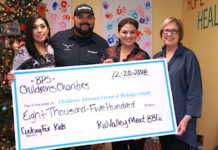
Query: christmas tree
14	15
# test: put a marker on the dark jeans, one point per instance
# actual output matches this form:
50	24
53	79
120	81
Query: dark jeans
172	143
86	147
133	145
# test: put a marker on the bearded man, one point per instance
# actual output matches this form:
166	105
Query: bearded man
79	45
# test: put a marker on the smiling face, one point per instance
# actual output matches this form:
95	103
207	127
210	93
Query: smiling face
40	31
84	24
170	34
128	35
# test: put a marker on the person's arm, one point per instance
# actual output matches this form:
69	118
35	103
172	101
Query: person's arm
183	124
107	57
194	93
10	77
18	59
194	83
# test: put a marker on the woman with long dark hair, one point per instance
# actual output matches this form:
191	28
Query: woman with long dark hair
36	53
126	49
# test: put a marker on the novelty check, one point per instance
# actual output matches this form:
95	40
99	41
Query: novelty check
83	105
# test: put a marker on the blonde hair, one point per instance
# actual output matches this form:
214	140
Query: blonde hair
179	24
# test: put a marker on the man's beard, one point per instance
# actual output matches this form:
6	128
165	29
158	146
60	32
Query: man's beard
87	32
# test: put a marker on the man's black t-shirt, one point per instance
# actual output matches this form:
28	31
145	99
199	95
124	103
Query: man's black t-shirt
69	50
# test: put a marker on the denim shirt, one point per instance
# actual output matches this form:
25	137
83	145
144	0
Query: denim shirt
186	86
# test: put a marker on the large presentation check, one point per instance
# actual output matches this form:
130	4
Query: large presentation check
83	105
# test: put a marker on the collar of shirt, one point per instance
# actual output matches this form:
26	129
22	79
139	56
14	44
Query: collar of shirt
179	50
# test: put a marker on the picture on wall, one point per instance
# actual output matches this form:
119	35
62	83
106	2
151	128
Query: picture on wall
10	29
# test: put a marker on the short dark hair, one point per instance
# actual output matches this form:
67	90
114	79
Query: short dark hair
128	21
29	41
179	24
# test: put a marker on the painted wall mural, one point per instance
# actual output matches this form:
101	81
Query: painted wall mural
58	14
114	11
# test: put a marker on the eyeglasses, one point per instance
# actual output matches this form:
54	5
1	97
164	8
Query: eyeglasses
170	31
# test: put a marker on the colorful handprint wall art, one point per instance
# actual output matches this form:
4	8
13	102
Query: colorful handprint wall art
58	14
115	10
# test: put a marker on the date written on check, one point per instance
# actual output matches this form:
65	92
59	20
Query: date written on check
129	73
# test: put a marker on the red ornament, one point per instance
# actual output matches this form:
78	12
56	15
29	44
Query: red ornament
7	10
22	27
21	44
41	9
